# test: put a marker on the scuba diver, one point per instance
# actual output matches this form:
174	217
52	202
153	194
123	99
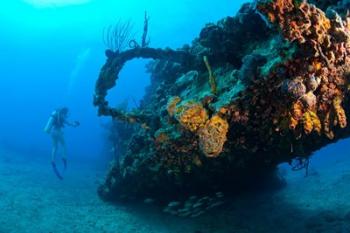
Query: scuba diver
54	127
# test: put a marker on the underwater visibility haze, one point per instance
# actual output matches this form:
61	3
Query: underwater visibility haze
174	116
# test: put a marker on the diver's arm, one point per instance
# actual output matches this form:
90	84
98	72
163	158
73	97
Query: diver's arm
48	126
72	124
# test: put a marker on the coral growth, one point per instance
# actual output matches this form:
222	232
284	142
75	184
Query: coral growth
296	114
325	41
296	88
339	112
213	136
171	108
191	115
311	122
212	81
194	117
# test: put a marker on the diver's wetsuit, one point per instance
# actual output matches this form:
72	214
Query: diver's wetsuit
57	136
55	127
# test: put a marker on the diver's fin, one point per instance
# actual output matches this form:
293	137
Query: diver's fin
64	163
56	171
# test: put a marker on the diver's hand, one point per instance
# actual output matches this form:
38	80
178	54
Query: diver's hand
76	124
73	124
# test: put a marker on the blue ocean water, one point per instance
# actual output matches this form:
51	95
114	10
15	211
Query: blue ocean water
51	52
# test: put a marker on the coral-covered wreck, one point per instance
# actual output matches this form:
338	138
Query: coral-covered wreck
264	87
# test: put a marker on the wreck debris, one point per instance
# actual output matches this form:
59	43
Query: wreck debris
282	94
110	71
319	37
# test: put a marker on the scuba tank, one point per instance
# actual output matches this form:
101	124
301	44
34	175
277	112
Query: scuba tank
49	124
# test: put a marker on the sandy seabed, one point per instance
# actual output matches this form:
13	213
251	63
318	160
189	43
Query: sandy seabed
33	200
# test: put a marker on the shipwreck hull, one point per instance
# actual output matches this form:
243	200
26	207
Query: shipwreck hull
264	87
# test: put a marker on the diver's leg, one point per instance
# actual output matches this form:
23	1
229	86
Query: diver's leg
64	150
64	147
53	156
54	149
